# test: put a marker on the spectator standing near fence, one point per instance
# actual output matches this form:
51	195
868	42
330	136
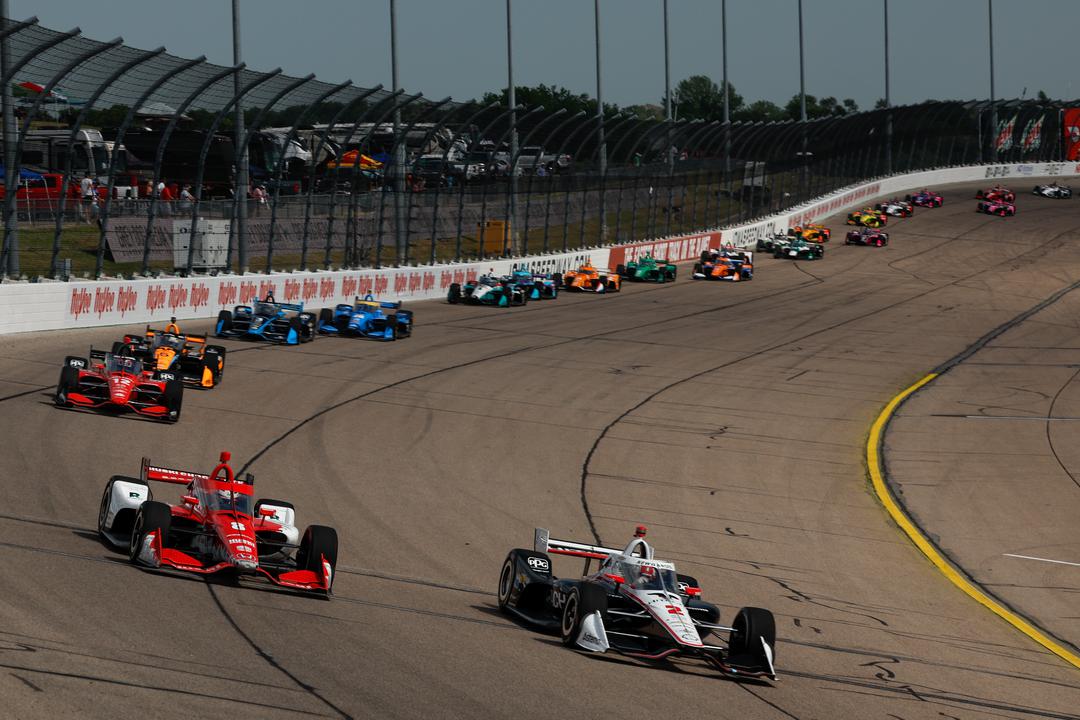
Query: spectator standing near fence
187	200
259	195
165	198
86	190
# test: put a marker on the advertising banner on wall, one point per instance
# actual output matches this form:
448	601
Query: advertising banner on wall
1071	122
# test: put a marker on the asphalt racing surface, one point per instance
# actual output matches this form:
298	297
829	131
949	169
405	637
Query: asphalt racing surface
728	418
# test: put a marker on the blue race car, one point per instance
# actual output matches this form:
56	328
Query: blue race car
267	319
365	318
538	286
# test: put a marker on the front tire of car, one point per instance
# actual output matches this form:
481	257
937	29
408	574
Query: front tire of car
152	516
506	583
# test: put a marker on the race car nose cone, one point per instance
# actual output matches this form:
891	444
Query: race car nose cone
120	389
247	564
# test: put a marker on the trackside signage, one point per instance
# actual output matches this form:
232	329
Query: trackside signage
54	305
686	247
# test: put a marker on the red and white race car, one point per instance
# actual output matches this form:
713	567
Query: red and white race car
118	381
996	207
996	194
215	529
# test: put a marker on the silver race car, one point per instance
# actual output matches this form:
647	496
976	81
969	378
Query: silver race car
1053	190
633	604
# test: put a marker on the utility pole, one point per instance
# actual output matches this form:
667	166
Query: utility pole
11	173
667	87
888	100
600	119
727	94
802	108
993	102
241	187
508	238
398	162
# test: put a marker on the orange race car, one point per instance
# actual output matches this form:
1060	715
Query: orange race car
170	350
588	278
811	233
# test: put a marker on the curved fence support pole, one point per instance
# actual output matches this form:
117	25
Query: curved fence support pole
287	140
76	127
160	156
641	170
120	132
394	109
461	195
311	180
599	160
604	164
9	252
466	164
626	170
551	185
549	179
508	244
240	194
401	146
713	168
510	129
566	198
207	141
14	159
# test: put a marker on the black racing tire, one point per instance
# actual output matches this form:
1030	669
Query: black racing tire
224	322
391	320
69	380
326	316
506	582
453	296
218	368
620	270
704	256
174	399
698	268
117	347
318	541
556	280
580	602
750	624
152	516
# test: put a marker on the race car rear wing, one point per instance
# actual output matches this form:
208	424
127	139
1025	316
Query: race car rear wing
150	472
382	303
543	542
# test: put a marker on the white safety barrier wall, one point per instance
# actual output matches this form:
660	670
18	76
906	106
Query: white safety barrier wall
54	305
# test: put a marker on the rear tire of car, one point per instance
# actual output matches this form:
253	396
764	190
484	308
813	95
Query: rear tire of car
69	380
454	295
326	317
224	322
391	321
218	366
620	270
580	603
174	399
318	541
750	624
557	280
506	582
152	516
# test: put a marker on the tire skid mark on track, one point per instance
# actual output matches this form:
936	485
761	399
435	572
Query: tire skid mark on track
272	661
1049	435
168	690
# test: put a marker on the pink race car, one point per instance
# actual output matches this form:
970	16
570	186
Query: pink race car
926	198
996	207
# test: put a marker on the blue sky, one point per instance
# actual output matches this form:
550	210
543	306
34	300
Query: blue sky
457	47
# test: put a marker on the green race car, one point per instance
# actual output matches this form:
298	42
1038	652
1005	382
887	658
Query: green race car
647	269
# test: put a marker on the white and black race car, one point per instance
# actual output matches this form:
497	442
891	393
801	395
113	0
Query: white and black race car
1053	190
633	604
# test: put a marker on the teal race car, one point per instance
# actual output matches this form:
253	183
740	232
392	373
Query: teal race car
647	269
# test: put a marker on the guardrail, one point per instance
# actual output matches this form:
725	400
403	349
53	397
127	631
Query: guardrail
59	305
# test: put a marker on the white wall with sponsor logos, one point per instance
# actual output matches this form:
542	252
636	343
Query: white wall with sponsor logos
54	305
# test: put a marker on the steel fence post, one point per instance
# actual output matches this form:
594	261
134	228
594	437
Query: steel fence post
290	137
626	170
605	168
566	198
75	128
200	166
603	172
461	194
549	179
120	132
159	156
514	156
483	194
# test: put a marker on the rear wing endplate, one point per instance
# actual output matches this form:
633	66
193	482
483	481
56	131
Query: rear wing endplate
543	542
157	473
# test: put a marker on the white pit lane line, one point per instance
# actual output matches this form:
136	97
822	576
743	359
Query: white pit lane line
1048	560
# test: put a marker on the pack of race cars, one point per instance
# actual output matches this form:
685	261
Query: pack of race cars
631	603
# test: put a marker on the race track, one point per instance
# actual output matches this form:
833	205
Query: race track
729	418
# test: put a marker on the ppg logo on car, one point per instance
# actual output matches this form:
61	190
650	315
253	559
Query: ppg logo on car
539	564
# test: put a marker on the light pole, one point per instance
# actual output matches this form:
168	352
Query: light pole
508	239
11	180
727	94
802	107
888	99
667	88
241	188
398	162
600	121
993	103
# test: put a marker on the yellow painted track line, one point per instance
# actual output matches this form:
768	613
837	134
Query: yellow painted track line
877	477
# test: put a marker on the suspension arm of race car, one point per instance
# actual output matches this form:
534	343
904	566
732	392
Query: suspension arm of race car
710	626
640	614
